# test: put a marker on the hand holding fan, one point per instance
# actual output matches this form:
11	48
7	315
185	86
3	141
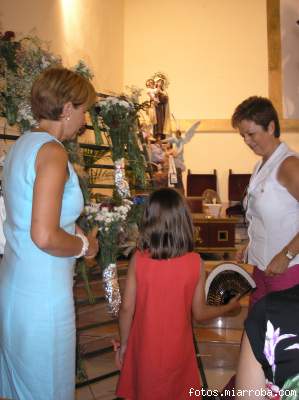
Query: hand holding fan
226	281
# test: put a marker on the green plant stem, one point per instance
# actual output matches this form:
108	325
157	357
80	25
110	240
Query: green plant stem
95	124
83	271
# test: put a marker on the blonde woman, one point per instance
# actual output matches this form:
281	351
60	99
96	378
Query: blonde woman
43	200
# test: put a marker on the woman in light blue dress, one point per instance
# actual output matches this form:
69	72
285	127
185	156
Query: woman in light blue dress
43	200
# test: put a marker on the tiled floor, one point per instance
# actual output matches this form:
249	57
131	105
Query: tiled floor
218	343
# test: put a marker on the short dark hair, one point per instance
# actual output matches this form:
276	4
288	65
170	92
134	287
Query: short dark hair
166	229
259	110
56	86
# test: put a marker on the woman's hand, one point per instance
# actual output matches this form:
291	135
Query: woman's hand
116	348
93	247
234	306
119	353
278	265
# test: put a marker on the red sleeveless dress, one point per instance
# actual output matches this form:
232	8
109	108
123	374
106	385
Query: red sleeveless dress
160	361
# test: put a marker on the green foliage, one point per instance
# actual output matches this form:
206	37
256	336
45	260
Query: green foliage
75	157
82	268
21	61
120	117
291	384
91	156
95	125
8	50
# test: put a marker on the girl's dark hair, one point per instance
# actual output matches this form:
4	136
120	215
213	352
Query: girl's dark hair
259	110
166	228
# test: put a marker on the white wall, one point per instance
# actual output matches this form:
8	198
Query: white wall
215	55
213	51
91	30
289	14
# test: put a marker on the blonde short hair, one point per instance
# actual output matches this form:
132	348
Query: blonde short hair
57	86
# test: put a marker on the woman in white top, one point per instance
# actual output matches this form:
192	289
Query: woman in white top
272	200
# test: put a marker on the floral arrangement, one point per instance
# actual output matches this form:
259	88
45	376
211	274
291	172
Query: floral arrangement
129	237
21	61
134	93
119	115
82	69
111	220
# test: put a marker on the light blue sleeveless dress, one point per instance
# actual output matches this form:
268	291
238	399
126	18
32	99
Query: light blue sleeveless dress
37	320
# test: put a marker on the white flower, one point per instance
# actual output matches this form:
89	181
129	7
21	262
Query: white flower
45	63
25	114
124	104
83	69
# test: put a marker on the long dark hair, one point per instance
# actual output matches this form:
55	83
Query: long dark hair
166	228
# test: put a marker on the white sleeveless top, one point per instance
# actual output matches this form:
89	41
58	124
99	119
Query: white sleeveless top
272	212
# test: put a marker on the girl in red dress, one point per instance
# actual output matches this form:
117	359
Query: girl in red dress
164	290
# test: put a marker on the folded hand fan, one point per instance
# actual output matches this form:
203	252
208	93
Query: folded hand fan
226	281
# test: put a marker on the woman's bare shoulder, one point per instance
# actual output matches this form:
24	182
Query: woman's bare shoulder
288	175
288	167
53	150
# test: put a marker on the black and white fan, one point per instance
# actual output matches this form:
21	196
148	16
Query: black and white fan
226	281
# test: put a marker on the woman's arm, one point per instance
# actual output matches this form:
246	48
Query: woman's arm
202	311
250	376
288	176
127	309
51	175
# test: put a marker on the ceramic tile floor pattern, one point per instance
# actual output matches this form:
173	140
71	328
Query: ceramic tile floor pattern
218	343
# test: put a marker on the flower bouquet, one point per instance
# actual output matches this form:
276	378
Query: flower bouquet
120	116
111	220
21	62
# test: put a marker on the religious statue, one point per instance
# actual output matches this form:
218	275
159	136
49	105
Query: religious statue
160	102
153	99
